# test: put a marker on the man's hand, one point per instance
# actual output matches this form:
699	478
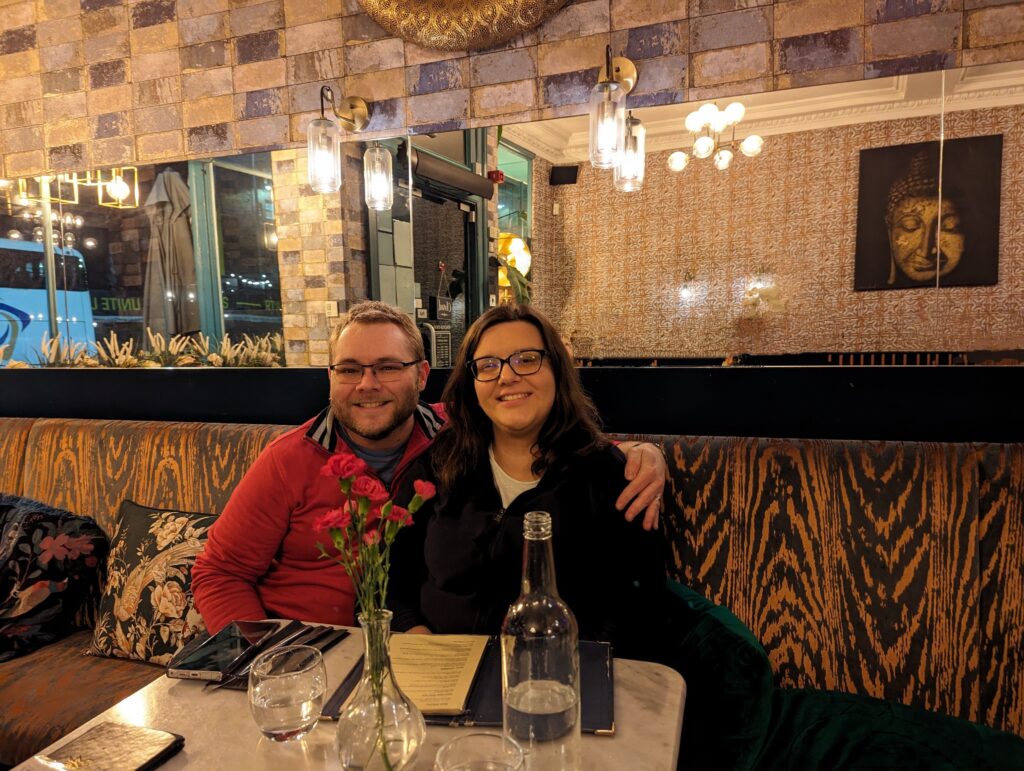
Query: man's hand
645	470
419	629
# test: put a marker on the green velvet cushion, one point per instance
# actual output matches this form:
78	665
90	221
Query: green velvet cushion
833	730
728	684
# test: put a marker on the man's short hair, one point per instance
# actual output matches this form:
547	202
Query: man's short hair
375	312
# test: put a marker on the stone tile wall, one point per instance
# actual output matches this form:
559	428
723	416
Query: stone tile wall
321	252
92	83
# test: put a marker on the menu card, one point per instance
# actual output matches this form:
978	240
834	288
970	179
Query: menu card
436	671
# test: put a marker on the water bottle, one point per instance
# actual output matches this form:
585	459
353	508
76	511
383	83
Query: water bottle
540	660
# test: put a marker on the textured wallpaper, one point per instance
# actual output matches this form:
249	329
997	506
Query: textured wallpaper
610	266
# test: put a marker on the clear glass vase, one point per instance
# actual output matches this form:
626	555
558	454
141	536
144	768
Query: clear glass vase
380	728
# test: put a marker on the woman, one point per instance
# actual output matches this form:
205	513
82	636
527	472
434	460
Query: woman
522	436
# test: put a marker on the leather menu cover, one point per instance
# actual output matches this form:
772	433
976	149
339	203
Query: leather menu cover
597	693
118	747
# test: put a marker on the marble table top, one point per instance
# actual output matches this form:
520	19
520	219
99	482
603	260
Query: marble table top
220	733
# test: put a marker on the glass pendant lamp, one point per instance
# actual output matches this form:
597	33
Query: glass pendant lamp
629	172
608	111
377	180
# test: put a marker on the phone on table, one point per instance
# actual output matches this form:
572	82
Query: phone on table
222	653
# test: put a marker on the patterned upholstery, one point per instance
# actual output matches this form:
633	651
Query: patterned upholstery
13	438
57	688
88	467
890	569
887	569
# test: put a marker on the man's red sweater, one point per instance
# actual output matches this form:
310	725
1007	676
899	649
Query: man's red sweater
261	558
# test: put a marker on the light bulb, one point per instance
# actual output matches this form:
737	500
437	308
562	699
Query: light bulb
751	146
722	159
323	155
79	221
118	189
14	235
734	112
686	292
37	234
703	147
89	243
377	178
629	173
694	122
607	123
69	240
708	111
719	123
677	161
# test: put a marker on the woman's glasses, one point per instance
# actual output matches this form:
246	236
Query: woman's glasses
521	362
385	371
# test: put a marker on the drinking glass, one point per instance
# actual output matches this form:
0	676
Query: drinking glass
286	691
479	752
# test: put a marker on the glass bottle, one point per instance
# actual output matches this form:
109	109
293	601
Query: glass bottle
380	728
540	672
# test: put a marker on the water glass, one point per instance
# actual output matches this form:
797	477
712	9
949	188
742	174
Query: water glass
479	752
286	691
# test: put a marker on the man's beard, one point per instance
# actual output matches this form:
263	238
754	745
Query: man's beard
402	405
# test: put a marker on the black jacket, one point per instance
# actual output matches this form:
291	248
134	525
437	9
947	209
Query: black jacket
459	567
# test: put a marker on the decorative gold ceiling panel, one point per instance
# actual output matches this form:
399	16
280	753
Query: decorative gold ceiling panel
459	25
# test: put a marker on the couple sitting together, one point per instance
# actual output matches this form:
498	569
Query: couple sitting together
514	433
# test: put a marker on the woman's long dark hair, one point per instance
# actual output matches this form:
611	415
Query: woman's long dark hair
571	426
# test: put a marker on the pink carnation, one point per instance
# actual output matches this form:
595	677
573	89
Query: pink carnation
340	518
371	488
371	537
343	465
400	515
424	489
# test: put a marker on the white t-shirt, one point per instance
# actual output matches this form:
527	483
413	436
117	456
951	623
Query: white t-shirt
508	487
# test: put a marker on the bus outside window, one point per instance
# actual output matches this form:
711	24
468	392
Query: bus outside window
24	315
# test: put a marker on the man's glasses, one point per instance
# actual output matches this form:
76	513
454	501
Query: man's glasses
385	371
521	362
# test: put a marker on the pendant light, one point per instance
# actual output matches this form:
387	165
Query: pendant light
608	110
629	172
323	139
378	182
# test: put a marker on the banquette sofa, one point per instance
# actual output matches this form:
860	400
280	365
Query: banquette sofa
893	570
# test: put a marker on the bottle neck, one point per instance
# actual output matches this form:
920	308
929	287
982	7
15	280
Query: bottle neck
539	567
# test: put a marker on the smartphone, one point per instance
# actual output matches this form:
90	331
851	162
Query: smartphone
211	658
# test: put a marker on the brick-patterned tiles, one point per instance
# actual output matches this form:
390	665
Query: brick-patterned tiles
171	52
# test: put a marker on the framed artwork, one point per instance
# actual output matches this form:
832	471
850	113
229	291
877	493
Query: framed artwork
907	237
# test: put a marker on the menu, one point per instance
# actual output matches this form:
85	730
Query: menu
436	671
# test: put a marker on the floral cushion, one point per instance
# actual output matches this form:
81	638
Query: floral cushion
50	563
147	612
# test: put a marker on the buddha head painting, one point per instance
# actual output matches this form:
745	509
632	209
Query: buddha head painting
926	235
913	233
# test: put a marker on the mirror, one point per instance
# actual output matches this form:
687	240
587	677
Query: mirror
825	241
790	253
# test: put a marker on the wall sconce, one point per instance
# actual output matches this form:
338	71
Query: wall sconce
323	137
377	179
629	171
608	110
118	188
707	125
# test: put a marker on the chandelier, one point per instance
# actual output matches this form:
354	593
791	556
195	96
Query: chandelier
714	136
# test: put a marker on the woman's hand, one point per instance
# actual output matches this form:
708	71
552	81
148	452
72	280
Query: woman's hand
646	471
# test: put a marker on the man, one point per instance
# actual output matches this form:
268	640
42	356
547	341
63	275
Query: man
261	559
